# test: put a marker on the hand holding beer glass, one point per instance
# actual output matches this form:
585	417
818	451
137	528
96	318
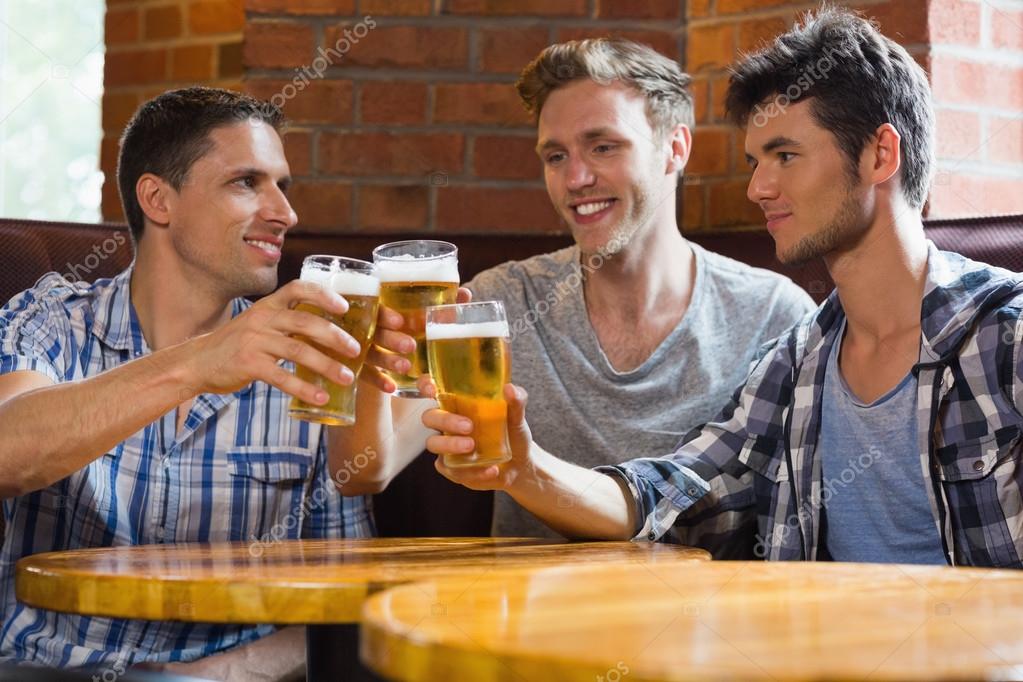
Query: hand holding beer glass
356	280
470	362
413	275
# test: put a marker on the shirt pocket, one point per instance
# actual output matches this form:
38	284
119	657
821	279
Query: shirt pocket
982	479
269	488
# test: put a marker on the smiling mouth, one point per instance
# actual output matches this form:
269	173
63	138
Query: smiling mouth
592	207
267	246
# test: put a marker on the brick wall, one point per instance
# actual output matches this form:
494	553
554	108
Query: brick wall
405	118
155	45
973	50
411	121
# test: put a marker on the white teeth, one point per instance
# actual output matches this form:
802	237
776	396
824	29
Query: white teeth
264	245
590	209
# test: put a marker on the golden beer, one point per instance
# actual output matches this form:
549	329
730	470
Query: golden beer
471	362
415	275
355	281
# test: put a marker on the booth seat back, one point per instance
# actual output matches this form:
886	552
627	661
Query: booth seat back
419	502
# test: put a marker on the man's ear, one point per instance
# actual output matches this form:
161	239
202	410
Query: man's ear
884	154
156	197
680	139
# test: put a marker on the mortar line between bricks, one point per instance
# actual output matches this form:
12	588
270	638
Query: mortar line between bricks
490	21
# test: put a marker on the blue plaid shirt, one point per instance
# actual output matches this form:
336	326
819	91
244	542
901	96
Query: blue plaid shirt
241	470
748	484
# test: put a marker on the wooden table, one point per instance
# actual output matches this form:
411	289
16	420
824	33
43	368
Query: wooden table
702	621
300	581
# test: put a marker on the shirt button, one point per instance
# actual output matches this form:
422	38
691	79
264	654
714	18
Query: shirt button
651	536
978	465
691	492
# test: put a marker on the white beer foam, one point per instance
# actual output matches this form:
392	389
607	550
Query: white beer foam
412	269
344	282
467	330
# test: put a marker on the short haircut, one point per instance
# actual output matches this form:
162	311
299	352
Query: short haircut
171	132
856	80
607	60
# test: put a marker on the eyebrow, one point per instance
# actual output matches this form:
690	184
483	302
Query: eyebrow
774	143
592	134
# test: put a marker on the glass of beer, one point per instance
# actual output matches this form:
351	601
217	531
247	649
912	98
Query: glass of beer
470	362
413	275
356	280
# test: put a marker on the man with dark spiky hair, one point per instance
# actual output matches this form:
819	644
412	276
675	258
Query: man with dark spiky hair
153	407
884	427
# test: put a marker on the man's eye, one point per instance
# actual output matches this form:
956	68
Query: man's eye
786	156
246	181
554	158
603	148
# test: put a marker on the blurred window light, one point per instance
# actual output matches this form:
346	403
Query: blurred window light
51	89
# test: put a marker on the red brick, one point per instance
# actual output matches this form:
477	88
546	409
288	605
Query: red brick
664	42
118	108
323	101
507	50
729	206
390	154
216	16
121	26
393	207
904	21
576	8
638	9
1007	29
710	47
958	135
270	44
718	92
134	67
483	210
956	195
229	60
419	47
758	33
701	99
735	6
710	153
300	7
162	23
110	205
959	82
692	211
956	23
506	157
479	104
322	205
394	103
192	63
402	8
1005	141
298	146
696	9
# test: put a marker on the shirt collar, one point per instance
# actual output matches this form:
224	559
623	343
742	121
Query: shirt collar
116	324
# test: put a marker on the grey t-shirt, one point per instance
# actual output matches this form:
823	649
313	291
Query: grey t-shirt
872	483
584	411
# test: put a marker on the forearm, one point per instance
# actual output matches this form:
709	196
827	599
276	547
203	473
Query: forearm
279	657
49	433
387	436
574	501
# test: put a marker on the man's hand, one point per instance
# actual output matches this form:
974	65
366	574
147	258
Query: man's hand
251	346
456	438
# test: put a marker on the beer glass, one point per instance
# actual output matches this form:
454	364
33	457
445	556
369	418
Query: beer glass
355	280
470	362
413	275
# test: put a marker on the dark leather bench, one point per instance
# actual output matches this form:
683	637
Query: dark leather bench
420	502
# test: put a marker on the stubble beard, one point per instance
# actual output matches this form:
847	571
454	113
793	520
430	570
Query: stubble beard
843	227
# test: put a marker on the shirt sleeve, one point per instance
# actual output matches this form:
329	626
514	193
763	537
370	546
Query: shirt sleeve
35	334
701	495
331	515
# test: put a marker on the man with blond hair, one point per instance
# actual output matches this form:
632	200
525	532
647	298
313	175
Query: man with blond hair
634	335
